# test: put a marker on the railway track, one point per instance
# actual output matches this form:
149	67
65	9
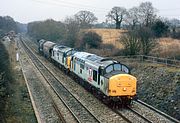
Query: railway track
80	112
58	112
132	115
158	111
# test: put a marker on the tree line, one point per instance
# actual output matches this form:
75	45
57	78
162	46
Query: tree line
142	22
8	24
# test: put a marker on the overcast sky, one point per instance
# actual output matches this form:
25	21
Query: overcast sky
33	10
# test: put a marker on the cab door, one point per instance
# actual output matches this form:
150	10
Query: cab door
90	78
99	73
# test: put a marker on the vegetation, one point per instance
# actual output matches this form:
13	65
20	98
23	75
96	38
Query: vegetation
85	19
141	22
64	33
139	41
4	77
131	43
160	28
117	14
143	15
48	29
72	30
90	40
7	24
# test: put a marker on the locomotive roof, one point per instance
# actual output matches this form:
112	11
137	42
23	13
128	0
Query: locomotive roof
82	55
49	44
93	59
61	48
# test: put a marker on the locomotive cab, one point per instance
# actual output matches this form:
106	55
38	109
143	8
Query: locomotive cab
120	82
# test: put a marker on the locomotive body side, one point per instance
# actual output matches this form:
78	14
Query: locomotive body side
62	55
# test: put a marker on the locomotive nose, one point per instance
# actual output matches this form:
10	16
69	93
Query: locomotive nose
122	85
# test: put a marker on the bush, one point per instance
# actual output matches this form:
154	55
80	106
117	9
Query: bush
147	39
91	40
131	43
160	28
176	35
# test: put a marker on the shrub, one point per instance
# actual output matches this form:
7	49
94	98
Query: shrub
91	40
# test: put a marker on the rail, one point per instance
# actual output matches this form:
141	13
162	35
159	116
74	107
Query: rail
158	111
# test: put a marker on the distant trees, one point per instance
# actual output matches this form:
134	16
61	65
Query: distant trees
133	17
21	27
85	19
7	24
62	32
174	26
140	41
147	14
48	29
117	14
72	28
160	28
143	15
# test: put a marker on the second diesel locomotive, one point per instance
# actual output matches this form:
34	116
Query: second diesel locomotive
109	77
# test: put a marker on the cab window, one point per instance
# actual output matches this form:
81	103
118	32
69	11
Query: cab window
82	66
109	69
125	69
117	67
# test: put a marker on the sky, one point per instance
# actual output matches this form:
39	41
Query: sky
25	11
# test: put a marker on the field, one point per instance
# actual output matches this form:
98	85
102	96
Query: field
110	36
166	47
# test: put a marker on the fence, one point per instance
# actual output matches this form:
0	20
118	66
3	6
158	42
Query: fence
167	62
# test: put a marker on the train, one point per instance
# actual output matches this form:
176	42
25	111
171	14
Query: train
107	77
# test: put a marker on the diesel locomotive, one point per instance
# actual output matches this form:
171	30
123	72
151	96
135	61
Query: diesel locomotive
109	78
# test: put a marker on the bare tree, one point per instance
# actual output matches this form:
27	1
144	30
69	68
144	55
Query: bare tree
72	30
147	13
85	18
133	17
131	43
117	14
147	39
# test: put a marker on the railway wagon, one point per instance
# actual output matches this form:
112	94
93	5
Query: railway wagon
47	47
